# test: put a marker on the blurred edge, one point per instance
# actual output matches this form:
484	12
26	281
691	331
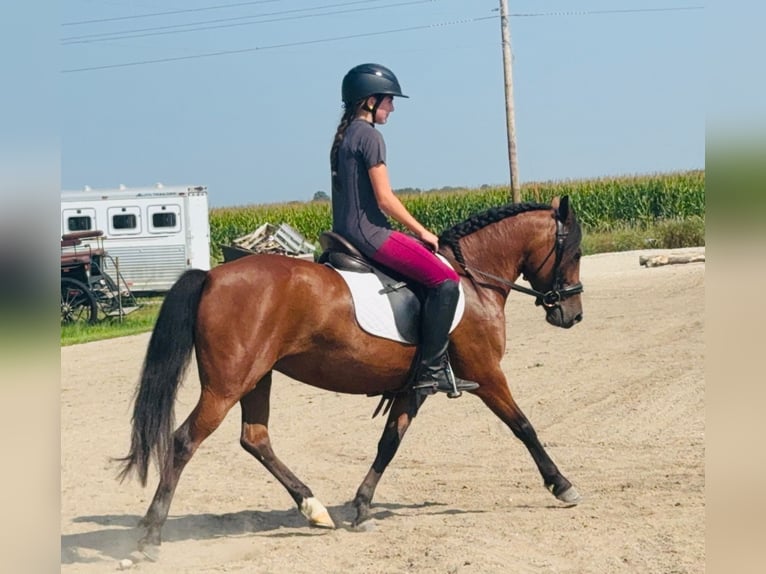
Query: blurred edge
29	354
735	280
736	383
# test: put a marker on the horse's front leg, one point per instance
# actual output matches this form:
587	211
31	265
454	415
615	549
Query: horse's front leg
497	397
403	410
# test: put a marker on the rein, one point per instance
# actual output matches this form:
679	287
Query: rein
551	298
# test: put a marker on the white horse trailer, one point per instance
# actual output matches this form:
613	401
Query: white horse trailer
152	233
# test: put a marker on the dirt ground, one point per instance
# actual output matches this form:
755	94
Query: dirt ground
619	402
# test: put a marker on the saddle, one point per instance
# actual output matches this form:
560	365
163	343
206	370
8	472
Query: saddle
385	304
339	253
369	283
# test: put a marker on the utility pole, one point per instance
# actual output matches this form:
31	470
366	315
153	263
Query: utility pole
509	111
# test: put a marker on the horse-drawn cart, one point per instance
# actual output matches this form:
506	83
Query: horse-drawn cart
88	293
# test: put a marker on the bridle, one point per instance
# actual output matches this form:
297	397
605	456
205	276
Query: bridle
559	292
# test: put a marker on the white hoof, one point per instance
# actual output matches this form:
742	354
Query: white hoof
316	513
570	496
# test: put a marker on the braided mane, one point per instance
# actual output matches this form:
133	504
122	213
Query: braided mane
451	236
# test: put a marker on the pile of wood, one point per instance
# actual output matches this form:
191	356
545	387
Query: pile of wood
657	260
280	239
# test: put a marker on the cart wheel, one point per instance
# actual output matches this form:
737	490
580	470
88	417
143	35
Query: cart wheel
78	305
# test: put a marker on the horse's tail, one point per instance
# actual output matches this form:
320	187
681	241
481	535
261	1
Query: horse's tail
166	360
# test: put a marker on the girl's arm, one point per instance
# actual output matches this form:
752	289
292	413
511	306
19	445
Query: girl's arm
394	208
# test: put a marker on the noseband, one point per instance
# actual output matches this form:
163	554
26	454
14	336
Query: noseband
555	296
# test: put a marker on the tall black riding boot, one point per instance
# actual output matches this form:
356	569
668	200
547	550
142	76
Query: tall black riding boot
434	370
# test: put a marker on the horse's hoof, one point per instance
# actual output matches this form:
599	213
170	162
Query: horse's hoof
569	496
362	515
316	513
150	551
366	525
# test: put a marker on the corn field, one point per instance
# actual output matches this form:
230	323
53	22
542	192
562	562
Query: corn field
602	205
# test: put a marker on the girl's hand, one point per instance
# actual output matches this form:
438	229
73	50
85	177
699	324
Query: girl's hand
430	239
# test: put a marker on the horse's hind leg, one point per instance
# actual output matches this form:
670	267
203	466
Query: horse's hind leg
200	423
498	398
255	440
403	410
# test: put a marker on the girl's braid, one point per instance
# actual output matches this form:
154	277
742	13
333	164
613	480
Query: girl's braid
345	121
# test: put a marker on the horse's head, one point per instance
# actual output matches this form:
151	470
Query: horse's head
539	241
554	269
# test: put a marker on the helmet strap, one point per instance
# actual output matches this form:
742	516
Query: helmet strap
374	109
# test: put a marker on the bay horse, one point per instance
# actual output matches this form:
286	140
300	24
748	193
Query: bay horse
269	312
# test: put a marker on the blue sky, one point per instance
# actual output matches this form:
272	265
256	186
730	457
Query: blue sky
596	94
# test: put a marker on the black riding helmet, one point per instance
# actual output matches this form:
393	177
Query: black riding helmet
367	80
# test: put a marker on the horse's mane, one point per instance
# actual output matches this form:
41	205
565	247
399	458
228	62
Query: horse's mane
451	237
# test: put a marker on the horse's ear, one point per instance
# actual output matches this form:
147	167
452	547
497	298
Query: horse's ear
555	203
562	208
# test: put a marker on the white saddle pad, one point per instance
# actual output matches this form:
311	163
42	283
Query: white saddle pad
373	310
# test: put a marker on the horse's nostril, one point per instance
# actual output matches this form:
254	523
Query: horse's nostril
578	318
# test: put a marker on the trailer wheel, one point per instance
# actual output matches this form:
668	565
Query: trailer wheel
78	304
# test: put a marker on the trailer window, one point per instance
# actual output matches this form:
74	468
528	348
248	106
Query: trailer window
79	223
164	219
124	221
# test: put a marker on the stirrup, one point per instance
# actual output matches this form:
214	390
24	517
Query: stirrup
450	384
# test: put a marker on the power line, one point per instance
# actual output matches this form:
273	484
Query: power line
275	46
366	34
234	22
218	7
202	25
168	13
613	11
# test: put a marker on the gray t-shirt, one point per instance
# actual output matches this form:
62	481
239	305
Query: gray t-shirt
355	212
